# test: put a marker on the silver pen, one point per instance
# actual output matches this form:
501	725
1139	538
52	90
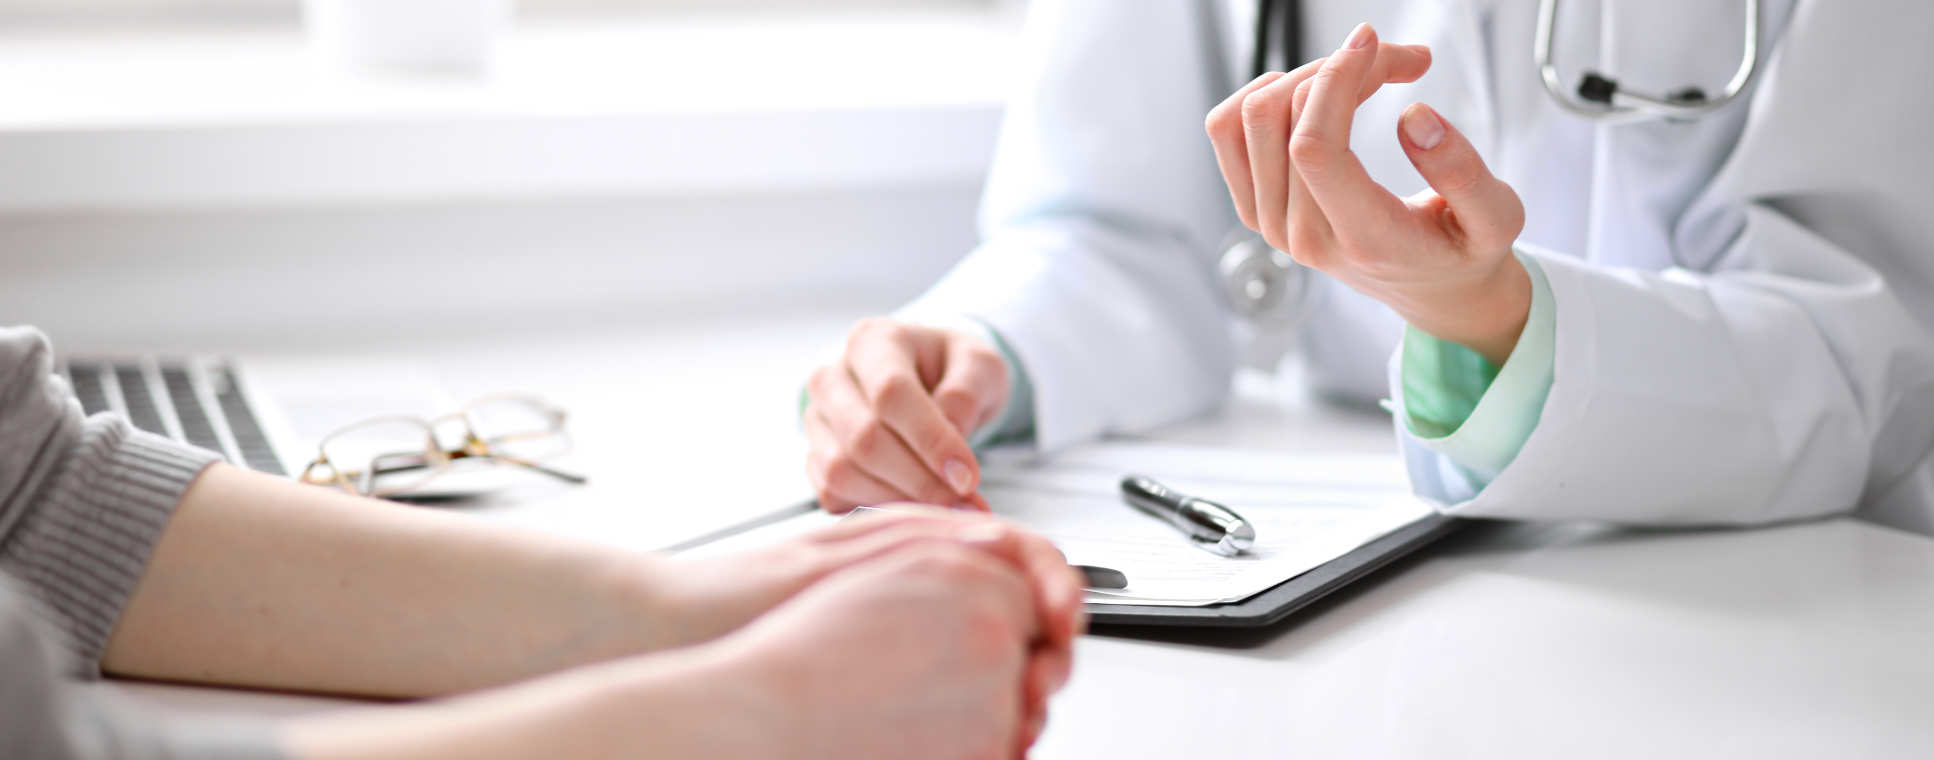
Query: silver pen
1210	526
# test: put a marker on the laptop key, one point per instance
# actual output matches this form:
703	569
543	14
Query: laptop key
195	424
86	378
257	452
139	399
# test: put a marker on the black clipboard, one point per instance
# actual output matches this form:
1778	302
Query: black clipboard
1263	609
1283	599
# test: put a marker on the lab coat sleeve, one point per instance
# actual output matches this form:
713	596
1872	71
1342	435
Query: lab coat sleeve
1792	378
1477	414
1102	219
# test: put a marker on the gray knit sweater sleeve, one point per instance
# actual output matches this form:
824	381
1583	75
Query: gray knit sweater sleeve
82	502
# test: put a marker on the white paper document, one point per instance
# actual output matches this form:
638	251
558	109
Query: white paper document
1306	508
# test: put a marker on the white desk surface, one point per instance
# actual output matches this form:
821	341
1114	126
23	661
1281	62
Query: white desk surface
1807	640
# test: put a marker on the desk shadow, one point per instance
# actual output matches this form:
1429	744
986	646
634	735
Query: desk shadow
1396	581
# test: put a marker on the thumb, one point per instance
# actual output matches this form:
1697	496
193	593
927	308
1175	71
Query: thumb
1486	208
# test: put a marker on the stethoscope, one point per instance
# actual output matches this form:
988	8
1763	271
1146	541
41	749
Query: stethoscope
1600	97
1263	284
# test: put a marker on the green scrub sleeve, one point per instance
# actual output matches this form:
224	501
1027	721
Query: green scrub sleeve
1473	412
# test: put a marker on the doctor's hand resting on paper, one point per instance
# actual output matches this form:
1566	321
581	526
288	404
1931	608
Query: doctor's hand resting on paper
1709	309
891	418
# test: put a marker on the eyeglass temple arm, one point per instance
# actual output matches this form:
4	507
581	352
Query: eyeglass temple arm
563	475
525	463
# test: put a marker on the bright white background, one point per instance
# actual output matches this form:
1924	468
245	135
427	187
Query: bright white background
190	175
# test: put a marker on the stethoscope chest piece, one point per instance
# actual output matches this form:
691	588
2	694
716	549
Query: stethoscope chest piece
1258	281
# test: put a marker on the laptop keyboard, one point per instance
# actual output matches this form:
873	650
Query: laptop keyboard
197	403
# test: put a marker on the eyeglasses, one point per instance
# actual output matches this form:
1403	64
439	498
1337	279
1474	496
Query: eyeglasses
386	456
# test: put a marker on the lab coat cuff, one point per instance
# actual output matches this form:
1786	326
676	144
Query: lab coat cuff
1478	415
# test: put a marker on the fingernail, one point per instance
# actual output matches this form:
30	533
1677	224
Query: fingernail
959	476
1359	37
1422	126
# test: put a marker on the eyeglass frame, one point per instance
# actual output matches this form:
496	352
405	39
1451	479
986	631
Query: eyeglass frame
440	459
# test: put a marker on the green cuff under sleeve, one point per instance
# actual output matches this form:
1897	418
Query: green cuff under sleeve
1016	421
1476	413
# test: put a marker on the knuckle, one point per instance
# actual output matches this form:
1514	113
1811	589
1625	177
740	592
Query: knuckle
983	358
863	326
1309	153
1260	105
872	328
818	383
1221	121
867	440
1302	92
1462	179
838	474
989	626
956	402
1304	240
897	390
1514	216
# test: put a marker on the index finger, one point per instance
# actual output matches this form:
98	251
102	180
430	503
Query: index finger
888	377
1320	145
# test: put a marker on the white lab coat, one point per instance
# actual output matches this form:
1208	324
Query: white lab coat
1743	302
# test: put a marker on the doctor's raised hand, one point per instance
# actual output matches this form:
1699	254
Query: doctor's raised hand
1441	258
889	420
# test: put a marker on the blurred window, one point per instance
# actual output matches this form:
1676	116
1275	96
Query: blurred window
111	11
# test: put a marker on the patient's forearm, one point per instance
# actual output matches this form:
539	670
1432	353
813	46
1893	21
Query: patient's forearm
260	582
697	703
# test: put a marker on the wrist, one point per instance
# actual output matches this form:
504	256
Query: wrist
710	700
1486	313
626	608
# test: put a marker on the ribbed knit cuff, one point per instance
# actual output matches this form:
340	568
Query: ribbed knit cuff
84	547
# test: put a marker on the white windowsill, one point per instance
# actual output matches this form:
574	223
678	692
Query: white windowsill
192	118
